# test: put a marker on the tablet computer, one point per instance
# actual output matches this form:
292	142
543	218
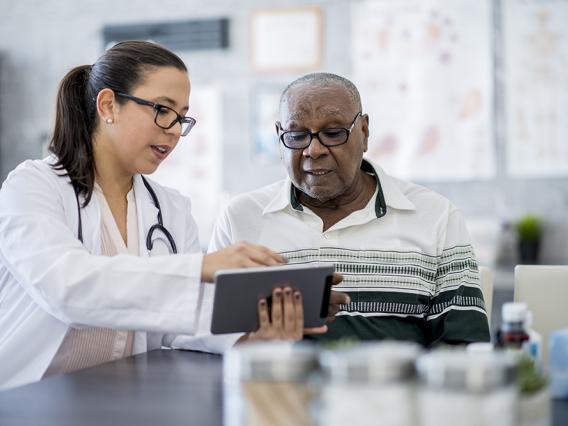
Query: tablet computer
237	292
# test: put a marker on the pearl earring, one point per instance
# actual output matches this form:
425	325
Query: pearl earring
108	120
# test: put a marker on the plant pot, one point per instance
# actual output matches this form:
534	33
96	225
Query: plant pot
535	409
529	252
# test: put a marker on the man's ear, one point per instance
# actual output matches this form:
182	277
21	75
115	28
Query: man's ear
277	127
365	130
107	106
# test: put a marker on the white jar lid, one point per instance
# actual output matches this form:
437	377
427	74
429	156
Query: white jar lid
514	312
459	369
385	361
271	361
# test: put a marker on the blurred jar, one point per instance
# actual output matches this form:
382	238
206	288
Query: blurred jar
267	384
466	389
512	333
558	341
368	384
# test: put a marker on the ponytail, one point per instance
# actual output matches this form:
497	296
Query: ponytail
74	123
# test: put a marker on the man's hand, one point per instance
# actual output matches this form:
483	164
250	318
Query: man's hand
239	255
336	298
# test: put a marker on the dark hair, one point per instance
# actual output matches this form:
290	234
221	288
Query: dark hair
320	79
121	68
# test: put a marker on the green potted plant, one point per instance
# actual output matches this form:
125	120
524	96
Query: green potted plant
529	231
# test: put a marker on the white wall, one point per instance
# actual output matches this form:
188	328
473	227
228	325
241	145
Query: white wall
40	41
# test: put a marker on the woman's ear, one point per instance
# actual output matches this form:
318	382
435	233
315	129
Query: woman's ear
107	107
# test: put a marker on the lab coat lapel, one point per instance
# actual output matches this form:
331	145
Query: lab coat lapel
90	219
146	213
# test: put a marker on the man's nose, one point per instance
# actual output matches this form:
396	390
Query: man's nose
316	148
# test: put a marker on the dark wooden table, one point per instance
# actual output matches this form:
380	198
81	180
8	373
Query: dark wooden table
158	388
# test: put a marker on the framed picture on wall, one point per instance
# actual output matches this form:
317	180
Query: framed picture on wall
287	39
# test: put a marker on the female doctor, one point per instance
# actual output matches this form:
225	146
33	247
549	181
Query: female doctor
98	262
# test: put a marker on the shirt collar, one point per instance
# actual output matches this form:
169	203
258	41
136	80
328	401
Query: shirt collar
388	194
285	197
394	195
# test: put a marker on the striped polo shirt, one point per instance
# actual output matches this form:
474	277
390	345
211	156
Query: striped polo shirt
406	257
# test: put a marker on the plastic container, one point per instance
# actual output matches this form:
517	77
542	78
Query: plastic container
460	388
533	346
368	384
558	342
267	384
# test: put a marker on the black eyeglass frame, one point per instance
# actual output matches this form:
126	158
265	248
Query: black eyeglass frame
312	134
190	121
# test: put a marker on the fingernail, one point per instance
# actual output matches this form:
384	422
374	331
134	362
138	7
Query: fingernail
277	293
288	291
348	301
297	296
262	302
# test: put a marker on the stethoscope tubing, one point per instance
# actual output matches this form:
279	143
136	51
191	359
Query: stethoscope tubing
156	227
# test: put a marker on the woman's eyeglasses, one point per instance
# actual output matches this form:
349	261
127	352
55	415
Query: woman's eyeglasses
165	117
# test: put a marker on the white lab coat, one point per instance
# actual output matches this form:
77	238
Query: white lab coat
50	281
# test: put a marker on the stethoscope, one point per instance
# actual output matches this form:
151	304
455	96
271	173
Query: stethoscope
156	227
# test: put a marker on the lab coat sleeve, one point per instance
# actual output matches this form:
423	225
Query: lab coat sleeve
203	340
126	292
457	310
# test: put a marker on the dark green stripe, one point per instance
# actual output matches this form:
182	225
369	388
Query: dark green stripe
375	328
460	327
374	296
462	296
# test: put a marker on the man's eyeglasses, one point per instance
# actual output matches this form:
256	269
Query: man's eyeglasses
165	117
301	139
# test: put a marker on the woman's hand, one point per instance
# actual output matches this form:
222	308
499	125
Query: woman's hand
286	321
239	255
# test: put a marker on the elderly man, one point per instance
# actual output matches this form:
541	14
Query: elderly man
403	250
